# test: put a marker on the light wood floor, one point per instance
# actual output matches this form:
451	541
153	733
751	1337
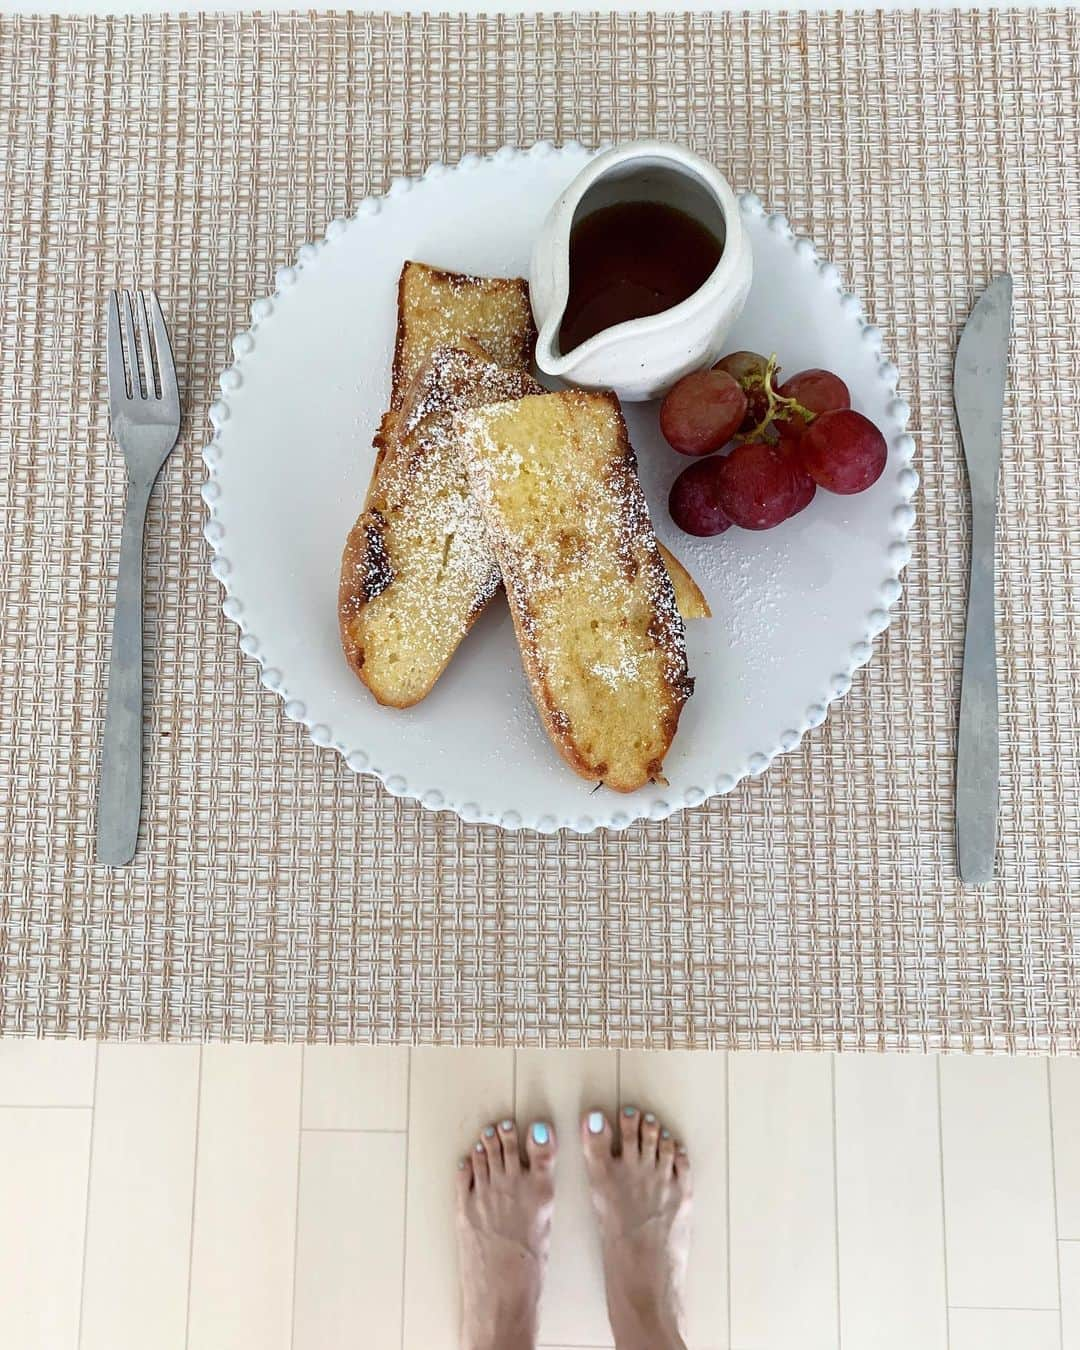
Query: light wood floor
234	1196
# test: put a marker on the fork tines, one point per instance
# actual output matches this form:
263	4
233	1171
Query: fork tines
140	367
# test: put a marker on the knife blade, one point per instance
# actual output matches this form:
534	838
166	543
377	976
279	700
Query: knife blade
979	395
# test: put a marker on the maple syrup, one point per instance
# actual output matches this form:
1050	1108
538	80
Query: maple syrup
630	260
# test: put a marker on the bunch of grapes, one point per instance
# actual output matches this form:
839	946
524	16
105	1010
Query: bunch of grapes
789	440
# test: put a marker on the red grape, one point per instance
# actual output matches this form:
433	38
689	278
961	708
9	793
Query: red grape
750	370
805	487
818	391
693	503
843	451
702	412
805	490
756	486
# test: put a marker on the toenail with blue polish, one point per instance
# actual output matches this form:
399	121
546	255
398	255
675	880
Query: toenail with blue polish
596	1122
665	1134
489	1132
508	1124
540	1132
461	1165
629	1110
650	1119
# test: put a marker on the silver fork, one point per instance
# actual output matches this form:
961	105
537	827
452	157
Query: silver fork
144	409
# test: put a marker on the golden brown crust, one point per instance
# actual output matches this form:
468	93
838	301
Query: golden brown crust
456	378
362	580
377	549
417	570
509	329
434	305
357	583
554	546
383	443
677	689
397	376
688	594
511	344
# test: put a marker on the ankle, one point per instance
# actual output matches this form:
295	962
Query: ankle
505	1331
643	1324
498	1340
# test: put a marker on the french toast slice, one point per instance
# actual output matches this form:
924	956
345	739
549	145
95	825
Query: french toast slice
689	596
601	637
450	383
490	317
417	570
438	309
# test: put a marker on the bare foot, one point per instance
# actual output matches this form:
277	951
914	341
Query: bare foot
640	1181
504	1229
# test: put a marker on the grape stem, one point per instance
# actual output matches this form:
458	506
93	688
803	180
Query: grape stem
777	407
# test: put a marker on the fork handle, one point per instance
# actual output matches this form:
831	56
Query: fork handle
977	744
120	780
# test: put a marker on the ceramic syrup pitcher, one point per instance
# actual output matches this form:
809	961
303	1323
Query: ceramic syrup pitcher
641	358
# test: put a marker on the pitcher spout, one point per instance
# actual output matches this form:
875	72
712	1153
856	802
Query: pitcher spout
638	343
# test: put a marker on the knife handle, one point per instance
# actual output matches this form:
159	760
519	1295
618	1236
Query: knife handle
977	746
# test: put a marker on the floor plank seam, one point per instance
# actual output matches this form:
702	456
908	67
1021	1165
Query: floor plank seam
944	1214
405	1187
194	1191
296	1207
1054	1195
48	1106
727	1186
349	1129
836	1205
1000	1307
89	1178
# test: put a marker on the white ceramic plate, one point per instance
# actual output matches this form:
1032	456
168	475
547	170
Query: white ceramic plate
795	609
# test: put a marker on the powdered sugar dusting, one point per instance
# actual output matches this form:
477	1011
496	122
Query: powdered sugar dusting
623	670
594	606
427	558
457	378
611	512
438	309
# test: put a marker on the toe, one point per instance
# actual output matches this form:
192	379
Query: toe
463	1179
481	1171
630	1129
540	1146
489	1137
667	1152
596	1138
511	1147
650	1137
682	1163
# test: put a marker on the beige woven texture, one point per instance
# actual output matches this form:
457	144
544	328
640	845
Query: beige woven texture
274	894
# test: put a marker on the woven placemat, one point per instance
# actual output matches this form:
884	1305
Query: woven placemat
275	895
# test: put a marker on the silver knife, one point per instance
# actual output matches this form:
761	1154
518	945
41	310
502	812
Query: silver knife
979	394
